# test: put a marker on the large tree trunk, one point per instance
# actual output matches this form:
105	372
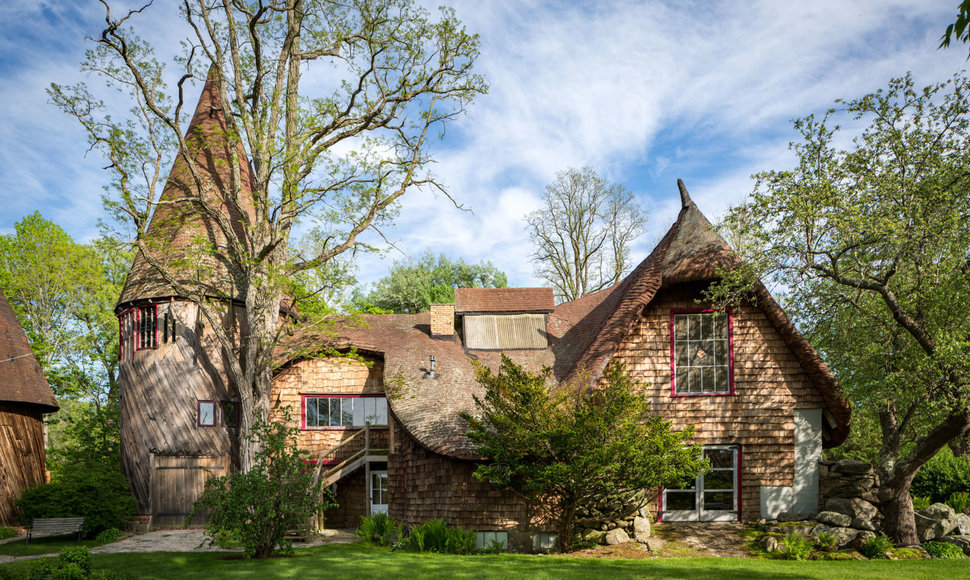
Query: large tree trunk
897	509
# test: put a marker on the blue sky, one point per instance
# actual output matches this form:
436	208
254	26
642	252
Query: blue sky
643	91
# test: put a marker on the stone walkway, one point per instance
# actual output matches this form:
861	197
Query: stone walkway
185	540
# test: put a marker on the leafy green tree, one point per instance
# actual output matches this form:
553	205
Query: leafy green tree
277	494
333	103
959	29
581	236
63	294
872	239
564	448
412	286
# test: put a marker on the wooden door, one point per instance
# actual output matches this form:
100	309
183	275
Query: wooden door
177	482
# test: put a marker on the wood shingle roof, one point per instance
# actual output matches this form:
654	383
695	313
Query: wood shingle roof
21	380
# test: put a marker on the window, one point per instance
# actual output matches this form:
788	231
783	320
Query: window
346	411
491	540
544	541
207	414
713	496
230	413
701	353
212	413
137	330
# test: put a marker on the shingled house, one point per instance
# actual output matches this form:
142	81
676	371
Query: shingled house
25	397
383	425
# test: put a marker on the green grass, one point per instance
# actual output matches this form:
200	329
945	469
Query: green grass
43	546
363	561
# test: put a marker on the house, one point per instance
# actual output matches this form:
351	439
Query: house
382	422
25	397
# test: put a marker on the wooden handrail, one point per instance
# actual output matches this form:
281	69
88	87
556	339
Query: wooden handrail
318	473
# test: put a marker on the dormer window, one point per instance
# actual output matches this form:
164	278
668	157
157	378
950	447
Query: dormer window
504	318
701	353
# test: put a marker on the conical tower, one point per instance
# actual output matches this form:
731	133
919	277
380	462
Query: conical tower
179	412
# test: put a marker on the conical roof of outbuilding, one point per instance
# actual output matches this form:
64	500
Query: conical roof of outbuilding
184	240
21	380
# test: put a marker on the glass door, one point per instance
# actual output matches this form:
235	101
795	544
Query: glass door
378	492
711	497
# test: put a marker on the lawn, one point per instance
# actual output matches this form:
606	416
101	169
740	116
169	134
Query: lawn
43	546
361	561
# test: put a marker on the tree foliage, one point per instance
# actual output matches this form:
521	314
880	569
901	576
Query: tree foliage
959	30
277	494
563	448
63	294
873	241
412	286
581	236
334	104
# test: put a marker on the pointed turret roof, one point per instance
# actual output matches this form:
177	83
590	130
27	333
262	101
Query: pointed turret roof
21	380
186	242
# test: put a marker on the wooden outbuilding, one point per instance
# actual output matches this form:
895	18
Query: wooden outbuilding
25	396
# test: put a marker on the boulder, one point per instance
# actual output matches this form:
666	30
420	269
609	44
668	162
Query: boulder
641	525
859	542
595	536
644	512
785	530
853	467
852	507
934	522
844	535
962	525
641	537
789	517
962	541
863	524
769	543
617	536
835	519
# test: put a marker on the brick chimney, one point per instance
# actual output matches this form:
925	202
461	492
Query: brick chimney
442	319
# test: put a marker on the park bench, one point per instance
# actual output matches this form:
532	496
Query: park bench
42	527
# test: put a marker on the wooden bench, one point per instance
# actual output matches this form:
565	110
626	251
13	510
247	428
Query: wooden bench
42	527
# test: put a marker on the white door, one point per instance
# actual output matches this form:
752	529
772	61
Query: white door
378	492
712	497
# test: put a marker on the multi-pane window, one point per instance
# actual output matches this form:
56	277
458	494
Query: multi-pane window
701	353
344	411
212	413
147	327
126	333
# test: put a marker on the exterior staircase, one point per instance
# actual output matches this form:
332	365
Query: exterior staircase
327	474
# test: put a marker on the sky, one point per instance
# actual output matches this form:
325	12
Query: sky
645	92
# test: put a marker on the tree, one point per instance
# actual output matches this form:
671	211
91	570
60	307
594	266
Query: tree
414	285
958	30
276	495
336	152
563	448
63	294
582	234
873	242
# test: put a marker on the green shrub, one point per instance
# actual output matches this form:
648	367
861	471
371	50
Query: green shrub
942	476
77	555
959	501
943	550
109	535
921	502
827	542
7	532
437	536
98	494
277	494
380	529
797	547
876	547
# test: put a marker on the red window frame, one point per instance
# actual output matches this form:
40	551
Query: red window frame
673	358
198	414
135	332
304	397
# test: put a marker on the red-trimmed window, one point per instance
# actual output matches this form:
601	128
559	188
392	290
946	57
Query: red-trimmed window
343	411
701	353
207	414
229	410
137	330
